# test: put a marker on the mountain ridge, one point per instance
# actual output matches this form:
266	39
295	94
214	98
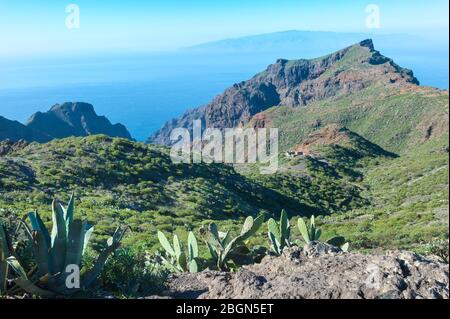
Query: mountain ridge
296	83
62	120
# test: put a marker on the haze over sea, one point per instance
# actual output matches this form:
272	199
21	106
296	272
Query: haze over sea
143	91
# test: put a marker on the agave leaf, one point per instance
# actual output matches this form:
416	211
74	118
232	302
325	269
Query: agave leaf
312	228
59	239
213	236
226	238
87	236
38	225
182	261
212	251
248	224
31	288
4	267
69	211
59	231
193	246
231	245
177	246
214	232
75	243
165	243
284	226
275	244
274	230
14	263
303	230
4	253
317	234
254	224
193	266
41	254
4	244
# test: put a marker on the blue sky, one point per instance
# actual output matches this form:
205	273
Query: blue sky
33	28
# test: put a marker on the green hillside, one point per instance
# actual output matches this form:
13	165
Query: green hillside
360	190
117	180
392	120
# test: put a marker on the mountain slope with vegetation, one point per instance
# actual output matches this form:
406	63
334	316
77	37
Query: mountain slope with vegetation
118	180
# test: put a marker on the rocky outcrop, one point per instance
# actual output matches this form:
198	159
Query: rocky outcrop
74	119
7	146
295	83
321	271
62	120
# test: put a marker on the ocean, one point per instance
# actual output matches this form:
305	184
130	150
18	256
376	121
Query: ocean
144	91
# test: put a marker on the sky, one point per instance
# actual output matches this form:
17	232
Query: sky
38	28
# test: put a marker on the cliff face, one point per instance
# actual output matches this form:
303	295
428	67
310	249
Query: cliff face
296	83
62	120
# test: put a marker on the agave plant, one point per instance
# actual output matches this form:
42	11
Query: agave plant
175	256
57	252
279	233
312	233
226	251
5	252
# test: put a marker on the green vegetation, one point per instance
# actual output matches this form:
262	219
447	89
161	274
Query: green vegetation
394	121
409	202
226	251
312	233
371	197
129	273
279	233
122	182
175	256
55	254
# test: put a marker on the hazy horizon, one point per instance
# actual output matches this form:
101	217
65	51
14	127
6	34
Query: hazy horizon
40	29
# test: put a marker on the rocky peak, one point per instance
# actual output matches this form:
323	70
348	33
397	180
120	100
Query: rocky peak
296	83
75	119
62	120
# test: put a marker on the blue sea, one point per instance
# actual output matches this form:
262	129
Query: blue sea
143	91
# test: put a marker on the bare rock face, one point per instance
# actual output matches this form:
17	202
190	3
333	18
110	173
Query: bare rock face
321	271
295	83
